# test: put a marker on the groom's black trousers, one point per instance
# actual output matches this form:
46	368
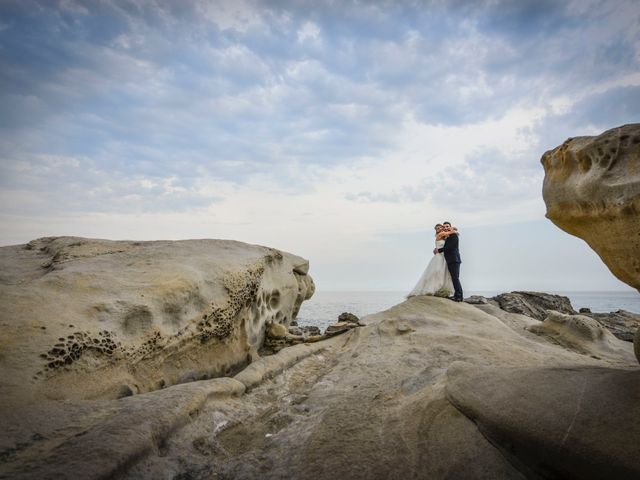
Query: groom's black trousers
454	270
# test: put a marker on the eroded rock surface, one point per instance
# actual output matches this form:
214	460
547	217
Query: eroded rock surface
85	318
427	389
533	304
378	402
398	397
592	190
580	333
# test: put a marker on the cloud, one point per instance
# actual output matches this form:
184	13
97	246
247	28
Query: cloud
48	184
300	124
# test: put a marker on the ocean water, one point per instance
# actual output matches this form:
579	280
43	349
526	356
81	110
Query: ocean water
324	307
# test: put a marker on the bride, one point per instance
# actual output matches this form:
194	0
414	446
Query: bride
436	278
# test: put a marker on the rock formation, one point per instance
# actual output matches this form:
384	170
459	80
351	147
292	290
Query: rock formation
592	190
538	305
533	304
427	389
621	323
98	319
580	333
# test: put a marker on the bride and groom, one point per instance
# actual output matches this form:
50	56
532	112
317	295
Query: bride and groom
442	275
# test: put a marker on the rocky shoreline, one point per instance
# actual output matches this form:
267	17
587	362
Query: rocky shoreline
537	305
388	395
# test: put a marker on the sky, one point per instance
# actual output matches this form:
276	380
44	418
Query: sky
338	131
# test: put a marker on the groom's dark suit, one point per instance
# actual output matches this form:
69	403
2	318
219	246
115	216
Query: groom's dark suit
452	256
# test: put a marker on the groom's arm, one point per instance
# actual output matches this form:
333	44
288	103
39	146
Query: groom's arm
448	243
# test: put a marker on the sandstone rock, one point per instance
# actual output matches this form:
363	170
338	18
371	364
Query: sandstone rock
276	330
582	334
84	318
555	422
388	400
592	190
533	304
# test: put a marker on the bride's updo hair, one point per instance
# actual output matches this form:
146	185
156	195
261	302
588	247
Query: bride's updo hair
438	225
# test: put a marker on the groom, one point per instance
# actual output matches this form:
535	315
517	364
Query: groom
452	256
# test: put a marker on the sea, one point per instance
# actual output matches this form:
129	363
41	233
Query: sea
324	307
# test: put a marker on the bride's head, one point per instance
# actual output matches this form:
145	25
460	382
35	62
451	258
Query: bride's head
439	227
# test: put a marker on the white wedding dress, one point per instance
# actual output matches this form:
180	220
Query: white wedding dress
436	277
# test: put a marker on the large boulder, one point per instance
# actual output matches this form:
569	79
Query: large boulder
98	319
533	304
592	190
555	422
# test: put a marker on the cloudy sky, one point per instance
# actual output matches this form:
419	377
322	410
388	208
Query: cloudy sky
340	131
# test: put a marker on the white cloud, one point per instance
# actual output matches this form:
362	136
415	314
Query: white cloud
239	15
310	33
322	129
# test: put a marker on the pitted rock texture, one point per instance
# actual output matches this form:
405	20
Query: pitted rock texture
95	319
592	190
427	389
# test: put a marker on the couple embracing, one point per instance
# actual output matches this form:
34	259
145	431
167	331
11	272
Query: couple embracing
442	275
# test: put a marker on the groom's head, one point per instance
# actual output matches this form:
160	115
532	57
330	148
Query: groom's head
447	225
